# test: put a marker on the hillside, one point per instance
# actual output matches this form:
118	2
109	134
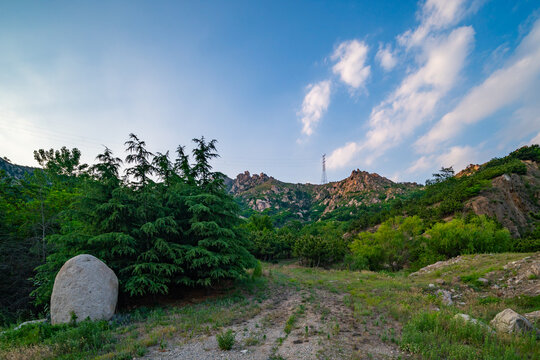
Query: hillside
13	170
308	202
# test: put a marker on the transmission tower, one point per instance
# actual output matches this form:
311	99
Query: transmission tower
324	180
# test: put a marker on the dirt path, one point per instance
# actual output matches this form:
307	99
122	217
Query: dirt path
294	324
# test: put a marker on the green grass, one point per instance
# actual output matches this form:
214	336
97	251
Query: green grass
132	333
225	339
407	300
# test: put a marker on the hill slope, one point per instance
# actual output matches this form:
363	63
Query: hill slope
16	171
285	201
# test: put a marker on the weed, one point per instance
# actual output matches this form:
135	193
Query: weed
225	339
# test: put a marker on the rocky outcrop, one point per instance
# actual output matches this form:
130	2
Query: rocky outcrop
511	199
261	192
86	288
509	321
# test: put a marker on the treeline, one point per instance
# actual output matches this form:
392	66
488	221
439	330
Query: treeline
164	224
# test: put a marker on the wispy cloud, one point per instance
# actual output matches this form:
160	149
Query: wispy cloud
458	157
386	57
502	88
314	106
434	15
440	53
351	63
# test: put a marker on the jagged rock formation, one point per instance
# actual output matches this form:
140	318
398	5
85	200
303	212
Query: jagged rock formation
309	201
511	199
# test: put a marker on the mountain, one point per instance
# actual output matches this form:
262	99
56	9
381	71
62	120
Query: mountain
512	198
13	170
286	201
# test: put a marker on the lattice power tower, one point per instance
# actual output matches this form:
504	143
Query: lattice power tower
324	180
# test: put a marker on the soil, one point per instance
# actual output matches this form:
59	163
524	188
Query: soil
325	328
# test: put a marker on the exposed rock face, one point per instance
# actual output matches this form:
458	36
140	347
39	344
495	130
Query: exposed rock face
509	321
261	192
511	199
86	287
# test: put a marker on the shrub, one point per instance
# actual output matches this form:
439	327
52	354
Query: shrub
257	270
320	250
225	339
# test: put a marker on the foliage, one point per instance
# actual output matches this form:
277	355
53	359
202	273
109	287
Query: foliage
321	245
406	242
437	335
180	231
225	339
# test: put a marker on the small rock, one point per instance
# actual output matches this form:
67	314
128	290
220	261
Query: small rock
496	287
509	321
483	281
431	286
243	351
440	281
446	297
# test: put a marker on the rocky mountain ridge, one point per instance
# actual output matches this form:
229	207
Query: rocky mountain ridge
259	192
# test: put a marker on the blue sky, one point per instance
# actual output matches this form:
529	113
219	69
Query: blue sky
400	88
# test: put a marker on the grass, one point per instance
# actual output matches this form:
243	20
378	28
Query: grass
130	334
407	300
401	307
225	339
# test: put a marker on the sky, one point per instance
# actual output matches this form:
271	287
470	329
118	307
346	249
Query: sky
399	88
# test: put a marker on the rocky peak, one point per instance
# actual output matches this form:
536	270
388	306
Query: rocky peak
468	171
245	181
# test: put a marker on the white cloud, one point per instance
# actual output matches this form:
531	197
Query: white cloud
458	157
440	61
435	15
342	156
421	164
351	65
503	87
535	140
386	57
415	99
314	106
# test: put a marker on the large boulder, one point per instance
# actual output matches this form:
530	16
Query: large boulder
509	321
86	287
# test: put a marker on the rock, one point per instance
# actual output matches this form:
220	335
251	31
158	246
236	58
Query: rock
86	287
468	318
446	297
431	286
483	281
533	272
509	321
533	316
29	322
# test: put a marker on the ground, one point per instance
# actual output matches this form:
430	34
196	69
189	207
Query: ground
294	312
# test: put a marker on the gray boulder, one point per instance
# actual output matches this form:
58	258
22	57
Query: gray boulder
86	287
509	321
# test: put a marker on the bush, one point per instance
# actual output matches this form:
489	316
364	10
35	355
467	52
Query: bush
401	242
320	250
225	339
